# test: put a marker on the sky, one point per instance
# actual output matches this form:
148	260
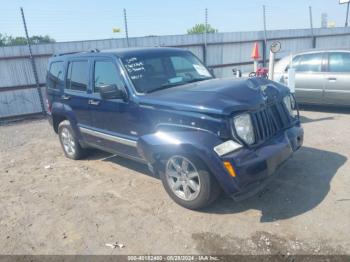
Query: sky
70	20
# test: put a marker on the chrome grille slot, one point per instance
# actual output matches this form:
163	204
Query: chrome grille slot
269	121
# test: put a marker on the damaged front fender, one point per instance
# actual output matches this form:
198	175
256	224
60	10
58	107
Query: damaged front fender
198	143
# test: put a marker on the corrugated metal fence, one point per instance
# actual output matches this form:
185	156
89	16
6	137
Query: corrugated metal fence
225	51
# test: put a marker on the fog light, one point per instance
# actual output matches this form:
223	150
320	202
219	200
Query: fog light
229	168
226	147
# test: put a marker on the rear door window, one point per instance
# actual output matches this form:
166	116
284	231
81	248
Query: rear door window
339	62
78	75
308	63
55	75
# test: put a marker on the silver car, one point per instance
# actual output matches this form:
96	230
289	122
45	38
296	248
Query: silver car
322	77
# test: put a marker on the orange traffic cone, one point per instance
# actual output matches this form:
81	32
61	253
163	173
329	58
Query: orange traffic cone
255	53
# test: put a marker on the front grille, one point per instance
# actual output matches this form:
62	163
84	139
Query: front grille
269	121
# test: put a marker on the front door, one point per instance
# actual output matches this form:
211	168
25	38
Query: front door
309	78
115	121
337	90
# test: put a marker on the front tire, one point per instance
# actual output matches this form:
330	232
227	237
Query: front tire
189	182
69	141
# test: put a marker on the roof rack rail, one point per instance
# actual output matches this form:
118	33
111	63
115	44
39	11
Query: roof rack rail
67	53
71	53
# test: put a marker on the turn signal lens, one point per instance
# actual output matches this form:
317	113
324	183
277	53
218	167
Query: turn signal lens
229	168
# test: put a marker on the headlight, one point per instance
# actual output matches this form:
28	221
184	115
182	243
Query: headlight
289	102
244	128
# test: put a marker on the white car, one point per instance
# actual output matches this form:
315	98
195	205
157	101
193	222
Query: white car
322	76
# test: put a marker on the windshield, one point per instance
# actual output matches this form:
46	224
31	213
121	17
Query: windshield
154	71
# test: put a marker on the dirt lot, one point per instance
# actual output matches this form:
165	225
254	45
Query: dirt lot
52	205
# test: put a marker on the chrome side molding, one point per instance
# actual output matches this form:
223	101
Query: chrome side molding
117	139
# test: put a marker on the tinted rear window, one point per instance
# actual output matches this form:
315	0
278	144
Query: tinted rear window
78	75
339	62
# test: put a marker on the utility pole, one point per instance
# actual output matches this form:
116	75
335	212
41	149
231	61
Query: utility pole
347	15
205	35
35	73
265	36
126	28
312	28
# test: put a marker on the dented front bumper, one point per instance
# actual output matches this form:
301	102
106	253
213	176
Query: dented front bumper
254	167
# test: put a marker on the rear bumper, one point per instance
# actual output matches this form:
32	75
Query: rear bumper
256	167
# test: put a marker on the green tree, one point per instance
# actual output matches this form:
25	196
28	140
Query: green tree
200	29
3	39
19	40
38	39
6	40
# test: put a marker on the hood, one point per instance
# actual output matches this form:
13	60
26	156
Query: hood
218	96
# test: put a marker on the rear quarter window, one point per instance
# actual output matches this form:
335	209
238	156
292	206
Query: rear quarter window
55	75
339	62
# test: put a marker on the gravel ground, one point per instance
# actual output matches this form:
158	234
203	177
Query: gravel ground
52	205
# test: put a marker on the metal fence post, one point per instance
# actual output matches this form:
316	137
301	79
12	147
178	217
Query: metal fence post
265	36
205	36
347	15
204	49
263	43
126	28
312	28
35	73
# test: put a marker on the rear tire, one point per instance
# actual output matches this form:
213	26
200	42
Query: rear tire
189	182
69	142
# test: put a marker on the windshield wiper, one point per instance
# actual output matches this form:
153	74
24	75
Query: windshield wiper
167	85
198	79
164	86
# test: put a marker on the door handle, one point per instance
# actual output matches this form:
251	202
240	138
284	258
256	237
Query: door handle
332	79
94	102
65	97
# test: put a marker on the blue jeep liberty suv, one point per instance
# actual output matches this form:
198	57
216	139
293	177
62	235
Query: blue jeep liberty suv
163	107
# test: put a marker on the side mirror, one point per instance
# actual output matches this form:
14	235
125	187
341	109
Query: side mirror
111	92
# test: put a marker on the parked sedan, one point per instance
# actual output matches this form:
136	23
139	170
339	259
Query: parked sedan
322	77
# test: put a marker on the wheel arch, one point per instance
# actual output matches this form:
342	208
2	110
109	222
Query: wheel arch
197	143
56	120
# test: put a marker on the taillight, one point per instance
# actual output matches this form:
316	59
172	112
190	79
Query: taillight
48	106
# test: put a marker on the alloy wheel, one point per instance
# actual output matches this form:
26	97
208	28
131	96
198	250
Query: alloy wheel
183	178
68	141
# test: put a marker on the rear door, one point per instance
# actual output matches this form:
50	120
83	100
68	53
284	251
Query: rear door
75	95
337	90
309	77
